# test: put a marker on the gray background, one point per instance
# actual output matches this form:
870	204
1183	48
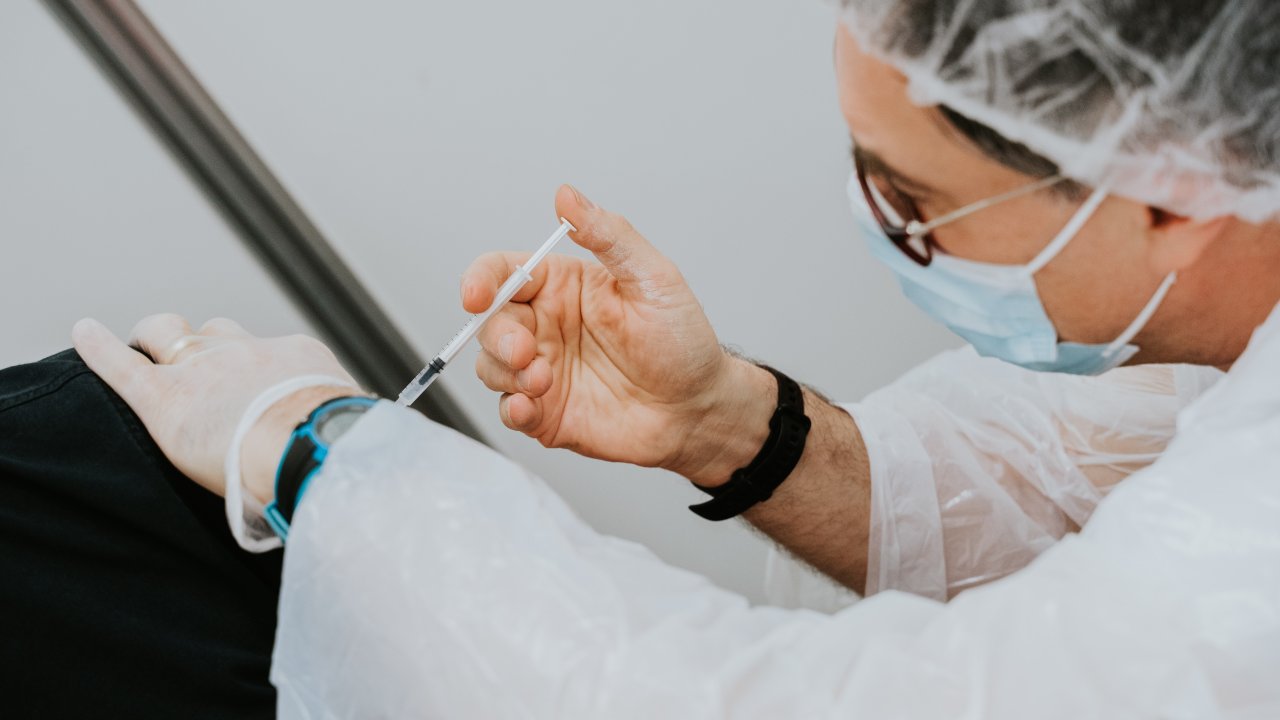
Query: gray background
419	135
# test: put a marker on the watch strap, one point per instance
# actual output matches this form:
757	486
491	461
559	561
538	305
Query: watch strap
782	450
303	456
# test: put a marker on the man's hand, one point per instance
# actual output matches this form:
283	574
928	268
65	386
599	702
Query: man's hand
617	360
194	393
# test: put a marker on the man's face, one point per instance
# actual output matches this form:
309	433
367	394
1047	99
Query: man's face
1092	290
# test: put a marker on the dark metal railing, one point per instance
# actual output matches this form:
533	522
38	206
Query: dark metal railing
146	70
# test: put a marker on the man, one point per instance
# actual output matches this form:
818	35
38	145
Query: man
685	410
424	574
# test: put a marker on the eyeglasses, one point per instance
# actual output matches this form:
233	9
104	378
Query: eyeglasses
900	218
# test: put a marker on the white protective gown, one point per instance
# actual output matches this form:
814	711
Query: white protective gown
978	466
427	576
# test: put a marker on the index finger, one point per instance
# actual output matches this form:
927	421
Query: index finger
481	281
123	368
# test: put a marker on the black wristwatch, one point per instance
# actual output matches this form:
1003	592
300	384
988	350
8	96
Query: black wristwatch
756	483
306	451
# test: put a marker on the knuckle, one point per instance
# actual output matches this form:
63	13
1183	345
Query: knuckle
158	322
613	228
137	386
490	265
622	224
314	345
167	320
140	327
218	323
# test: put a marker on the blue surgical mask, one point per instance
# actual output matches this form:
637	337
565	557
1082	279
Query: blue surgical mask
997	308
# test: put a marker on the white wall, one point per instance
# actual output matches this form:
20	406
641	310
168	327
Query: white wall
420	135
95	218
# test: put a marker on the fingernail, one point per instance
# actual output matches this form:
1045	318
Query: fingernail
522	379
582	199
506	345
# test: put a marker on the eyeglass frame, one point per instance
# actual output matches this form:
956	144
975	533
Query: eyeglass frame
919	230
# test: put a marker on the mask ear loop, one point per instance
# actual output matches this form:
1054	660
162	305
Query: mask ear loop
1067	234
1069	231
1143	317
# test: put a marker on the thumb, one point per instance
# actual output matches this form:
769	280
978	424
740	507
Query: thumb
624	252
126	370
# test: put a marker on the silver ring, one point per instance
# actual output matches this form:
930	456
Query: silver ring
176	347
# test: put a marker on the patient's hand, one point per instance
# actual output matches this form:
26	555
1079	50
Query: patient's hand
194	394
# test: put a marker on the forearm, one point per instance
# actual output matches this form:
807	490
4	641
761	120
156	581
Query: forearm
822	512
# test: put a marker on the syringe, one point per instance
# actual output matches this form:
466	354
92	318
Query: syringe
508	290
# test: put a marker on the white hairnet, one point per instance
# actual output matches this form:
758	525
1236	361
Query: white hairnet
1174	103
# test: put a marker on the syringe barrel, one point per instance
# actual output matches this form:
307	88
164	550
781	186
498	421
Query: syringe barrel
519	277
473	327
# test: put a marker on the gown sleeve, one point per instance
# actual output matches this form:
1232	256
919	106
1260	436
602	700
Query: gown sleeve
426	576
978	466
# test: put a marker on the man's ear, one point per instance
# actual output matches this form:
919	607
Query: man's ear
1176	242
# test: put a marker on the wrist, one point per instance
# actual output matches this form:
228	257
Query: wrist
265	443
730	425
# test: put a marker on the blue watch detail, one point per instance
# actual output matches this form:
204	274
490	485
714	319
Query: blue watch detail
303	456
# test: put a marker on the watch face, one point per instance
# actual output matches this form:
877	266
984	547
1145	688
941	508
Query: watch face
334	423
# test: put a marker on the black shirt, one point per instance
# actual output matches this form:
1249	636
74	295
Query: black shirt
122	593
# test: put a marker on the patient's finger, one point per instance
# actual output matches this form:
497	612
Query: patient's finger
509	336
223	327
126	370
520	412
161	337
534	380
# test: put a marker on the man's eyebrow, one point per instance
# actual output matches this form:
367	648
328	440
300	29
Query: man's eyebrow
875	164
